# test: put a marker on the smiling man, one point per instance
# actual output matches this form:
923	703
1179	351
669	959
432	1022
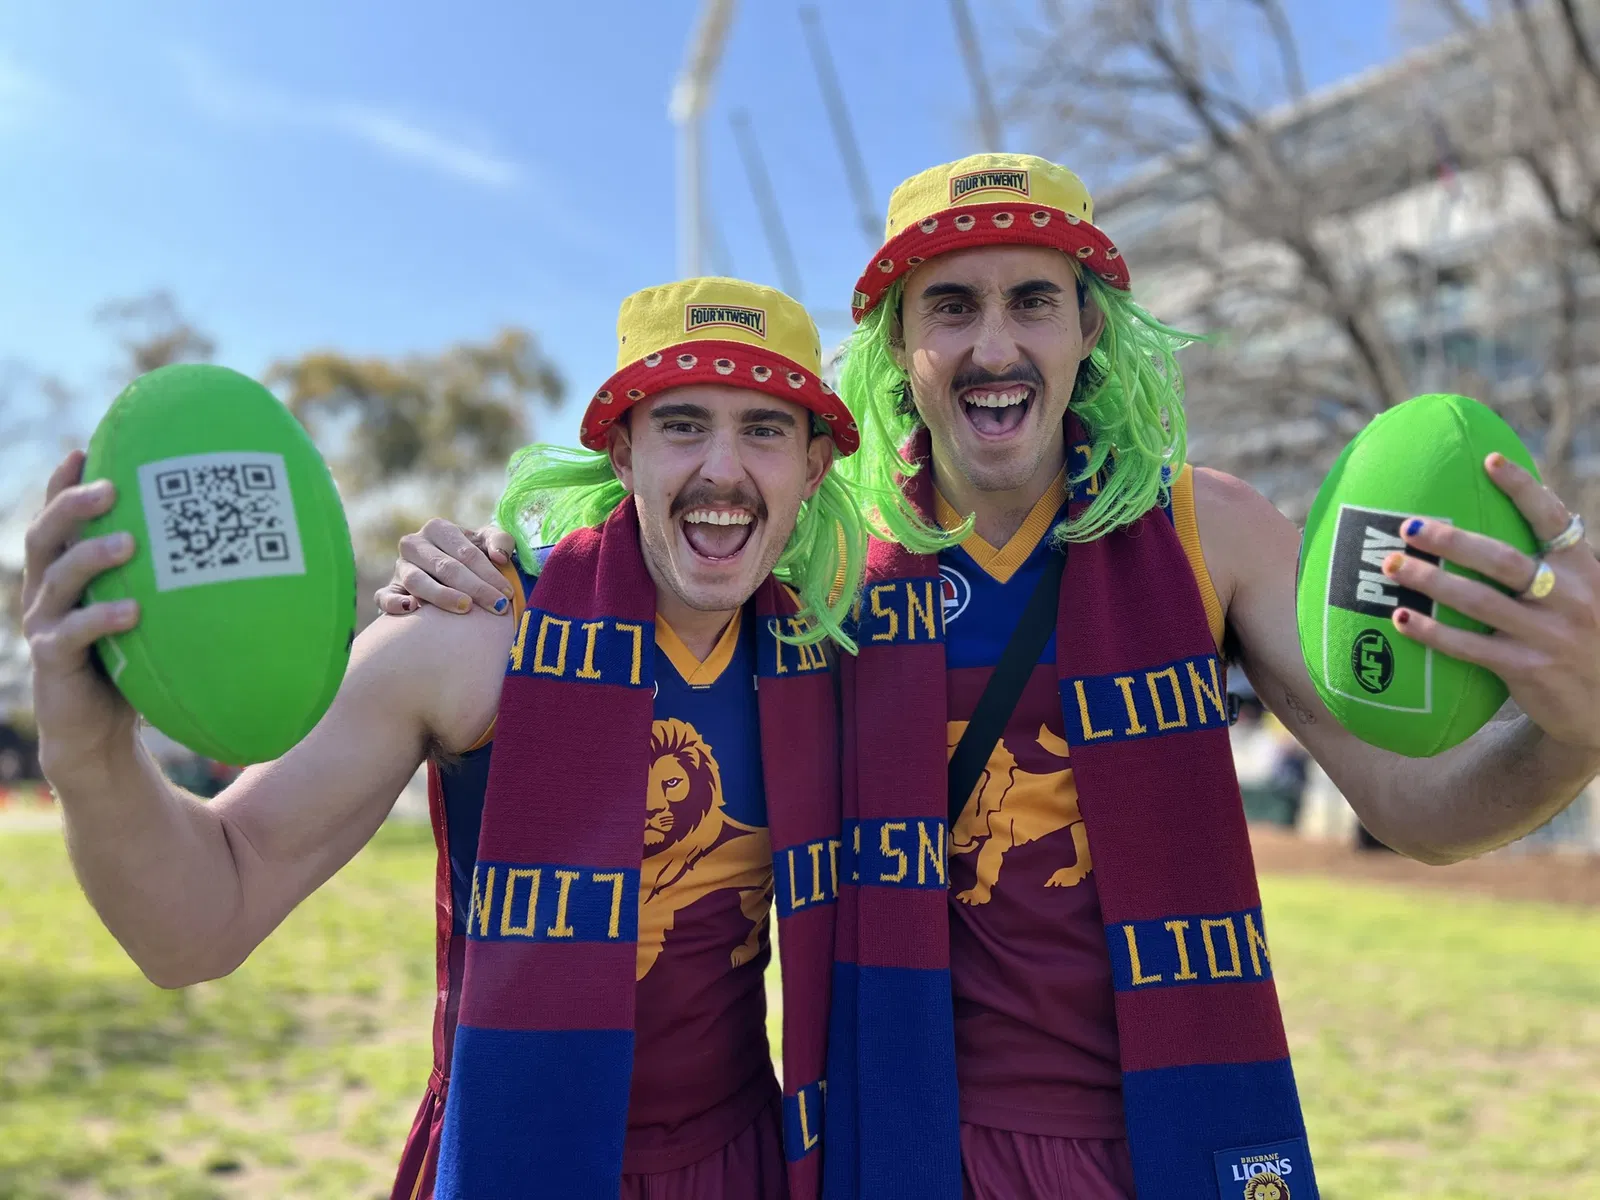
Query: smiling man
609	788
1093	968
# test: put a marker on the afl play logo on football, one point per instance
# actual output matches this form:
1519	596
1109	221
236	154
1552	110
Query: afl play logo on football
956	591
1372	661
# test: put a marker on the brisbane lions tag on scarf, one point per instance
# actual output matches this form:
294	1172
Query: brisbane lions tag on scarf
537	1101
1207	1084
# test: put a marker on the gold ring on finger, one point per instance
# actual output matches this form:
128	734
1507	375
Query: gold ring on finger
1567	538
1542	583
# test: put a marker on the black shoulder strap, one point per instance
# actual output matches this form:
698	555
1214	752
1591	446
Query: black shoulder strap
1005	686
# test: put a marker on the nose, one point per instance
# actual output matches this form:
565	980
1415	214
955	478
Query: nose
722	465
996	348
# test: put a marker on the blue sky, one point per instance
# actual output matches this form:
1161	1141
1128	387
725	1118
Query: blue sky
387	177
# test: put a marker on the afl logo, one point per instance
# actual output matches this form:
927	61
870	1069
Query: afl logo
1372	661
957	592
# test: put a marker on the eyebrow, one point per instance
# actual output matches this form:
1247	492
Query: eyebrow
965	291
695	412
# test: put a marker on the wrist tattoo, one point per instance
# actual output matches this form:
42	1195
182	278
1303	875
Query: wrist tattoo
1296	706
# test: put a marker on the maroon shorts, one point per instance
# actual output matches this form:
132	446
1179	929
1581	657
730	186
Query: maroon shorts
751	1167
1000	1165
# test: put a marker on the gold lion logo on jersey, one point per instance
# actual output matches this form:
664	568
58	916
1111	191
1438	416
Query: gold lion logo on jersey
692	846
1010	807
1268	1185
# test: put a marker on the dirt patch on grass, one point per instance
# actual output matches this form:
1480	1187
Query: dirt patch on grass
1561	878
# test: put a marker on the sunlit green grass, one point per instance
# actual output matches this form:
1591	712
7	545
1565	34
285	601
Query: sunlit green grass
1447	1047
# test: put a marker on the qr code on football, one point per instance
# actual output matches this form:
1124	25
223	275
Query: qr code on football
216	518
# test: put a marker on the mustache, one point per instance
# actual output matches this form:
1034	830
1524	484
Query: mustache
972	377
710	497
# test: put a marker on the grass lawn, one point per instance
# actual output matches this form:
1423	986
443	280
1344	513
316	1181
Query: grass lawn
1447	1047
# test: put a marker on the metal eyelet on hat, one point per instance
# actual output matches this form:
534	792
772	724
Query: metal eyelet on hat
635	394
602	397
724	366
687	361
1002	220
826	390
853	427
916	260
1113	252
1085	251
929	225
886	265
965	222
1040	218
1073	218
652	360
607	420
762	374
1110	277
796	380
830	416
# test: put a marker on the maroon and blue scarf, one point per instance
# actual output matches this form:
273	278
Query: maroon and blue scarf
1208	1092
537	1098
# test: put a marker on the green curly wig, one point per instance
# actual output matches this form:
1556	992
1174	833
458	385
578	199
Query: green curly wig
557	490
1129	395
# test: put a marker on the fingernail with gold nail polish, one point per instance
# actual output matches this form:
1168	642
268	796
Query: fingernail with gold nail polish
1496	461
1392	563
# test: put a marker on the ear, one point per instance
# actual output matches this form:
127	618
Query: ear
620	448
819	457
897	341
1091	324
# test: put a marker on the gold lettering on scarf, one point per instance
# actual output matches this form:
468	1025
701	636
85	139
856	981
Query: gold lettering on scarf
540	667
1185	971
481	904
833	866
561	929
1089	731
889	851
922	610
592	628
1125	682
521	643
795	901
855	863
615	879
1207	927
1254	938
879	611
1171	675
507	929
638	647
930	851
807	1138
816	870
1139	977
1203	692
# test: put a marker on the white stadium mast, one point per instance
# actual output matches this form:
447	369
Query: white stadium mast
690	97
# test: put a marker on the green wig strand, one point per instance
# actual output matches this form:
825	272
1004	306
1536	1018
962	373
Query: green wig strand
557	490
1129	395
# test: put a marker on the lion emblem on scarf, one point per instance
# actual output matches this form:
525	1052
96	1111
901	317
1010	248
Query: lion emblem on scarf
1010	807
1268	1185
692	846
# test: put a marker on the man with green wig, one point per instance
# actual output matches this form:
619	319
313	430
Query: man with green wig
619	753
1047	891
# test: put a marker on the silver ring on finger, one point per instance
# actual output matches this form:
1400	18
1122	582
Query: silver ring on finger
1567	538
1542	583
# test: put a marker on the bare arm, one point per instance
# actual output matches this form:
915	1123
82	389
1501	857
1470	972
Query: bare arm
1503	782
191	888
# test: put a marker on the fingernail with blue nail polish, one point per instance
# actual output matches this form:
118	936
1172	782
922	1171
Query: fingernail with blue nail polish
501	604
1413	527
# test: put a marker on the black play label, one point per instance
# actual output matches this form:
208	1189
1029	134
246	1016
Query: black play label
1364	538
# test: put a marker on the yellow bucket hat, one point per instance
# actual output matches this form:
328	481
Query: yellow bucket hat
714	330
988	200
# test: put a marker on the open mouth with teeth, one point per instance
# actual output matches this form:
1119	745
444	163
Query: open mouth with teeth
997	410
718	534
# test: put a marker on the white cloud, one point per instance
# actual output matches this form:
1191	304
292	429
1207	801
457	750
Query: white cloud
226	96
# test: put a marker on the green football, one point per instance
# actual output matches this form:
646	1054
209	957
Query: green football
243	568
1423	458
